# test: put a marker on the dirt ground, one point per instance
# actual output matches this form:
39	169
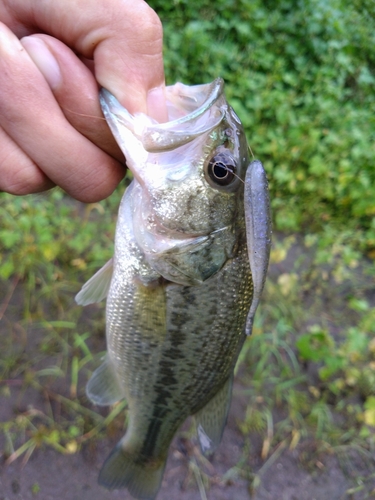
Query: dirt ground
74	477
286	475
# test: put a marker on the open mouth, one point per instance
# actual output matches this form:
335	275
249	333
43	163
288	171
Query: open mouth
191	110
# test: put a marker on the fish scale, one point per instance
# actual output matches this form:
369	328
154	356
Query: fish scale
191	254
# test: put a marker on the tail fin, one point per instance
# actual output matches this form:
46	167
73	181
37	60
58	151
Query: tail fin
121	470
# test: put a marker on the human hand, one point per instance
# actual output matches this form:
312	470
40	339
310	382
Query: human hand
52	130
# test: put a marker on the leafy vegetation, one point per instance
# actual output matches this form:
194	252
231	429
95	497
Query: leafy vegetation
312	356
300	75
48	243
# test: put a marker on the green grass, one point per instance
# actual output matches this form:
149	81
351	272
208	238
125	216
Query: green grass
301	76
307	372
50	247
309	369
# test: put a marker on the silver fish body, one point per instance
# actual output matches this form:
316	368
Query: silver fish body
191	254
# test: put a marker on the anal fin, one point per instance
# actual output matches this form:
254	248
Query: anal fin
211	419
103	388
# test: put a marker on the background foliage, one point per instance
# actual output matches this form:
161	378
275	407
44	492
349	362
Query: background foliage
300	74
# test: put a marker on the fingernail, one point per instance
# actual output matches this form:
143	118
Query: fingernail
156	104
43	59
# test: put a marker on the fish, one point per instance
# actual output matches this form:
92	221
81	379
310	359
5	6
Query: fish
191	253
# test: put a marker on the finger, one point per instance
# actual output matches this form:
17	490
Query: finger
19	174
31	116
76	91
124	37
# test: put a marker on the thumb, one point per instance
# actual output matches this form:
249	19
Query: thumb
132	68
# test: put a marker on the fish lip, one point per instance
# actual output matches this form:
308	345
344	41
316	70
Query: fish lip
216	91
160	137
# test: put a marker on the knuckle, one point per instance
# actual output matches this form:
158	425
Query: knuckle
22	178
152	26
101	184
155	23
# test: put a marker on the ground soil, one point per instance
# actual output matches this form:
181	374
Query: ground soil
286	475
74	477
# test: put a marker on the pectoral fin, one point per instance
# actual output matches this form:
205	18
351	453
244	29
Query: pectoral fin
211	419
96	288
103	388
258	231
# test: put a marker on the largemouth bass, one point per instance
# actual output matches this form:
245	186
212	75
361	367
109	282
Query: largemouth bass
191	254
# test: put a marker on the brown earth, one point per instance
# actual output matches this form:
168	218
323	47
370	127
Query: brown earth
74	477
234	472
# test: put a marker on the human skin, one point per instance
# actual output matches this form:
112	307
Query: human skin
52	131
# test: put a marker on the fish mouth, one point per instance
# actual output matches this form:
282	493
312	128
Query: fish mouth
191	103
190	108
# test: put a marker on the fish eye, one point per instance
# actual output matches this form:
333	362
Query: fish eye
222	169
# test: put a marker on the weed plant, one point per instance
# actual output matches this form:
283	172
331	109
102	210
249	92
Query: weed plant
300	74
49	243
312	355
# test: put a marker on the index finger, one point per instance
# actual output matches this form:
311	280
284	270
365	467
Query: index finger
124	37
